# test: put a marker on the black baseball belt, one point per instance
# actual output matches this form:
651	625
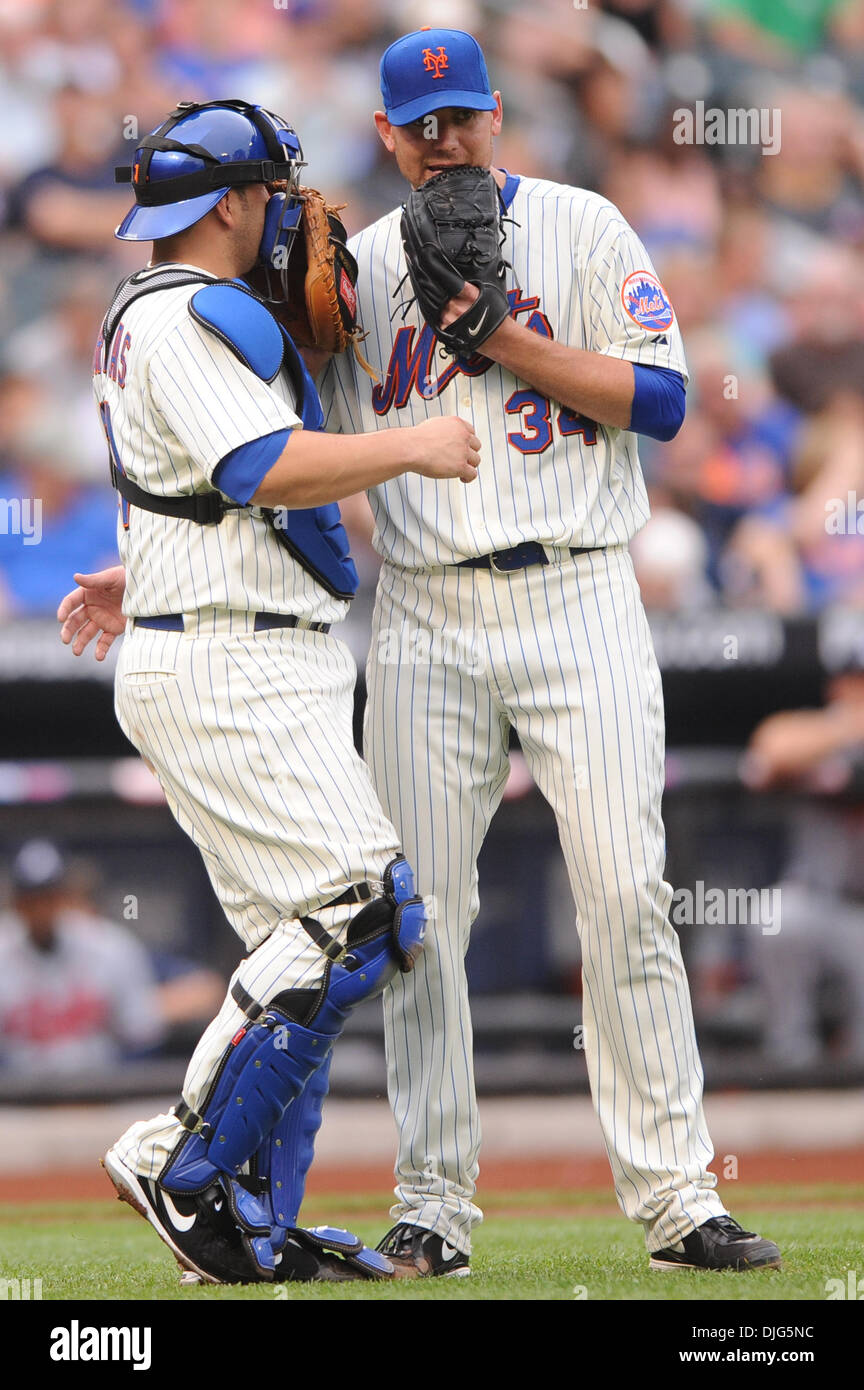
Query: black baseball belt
173	622
520	557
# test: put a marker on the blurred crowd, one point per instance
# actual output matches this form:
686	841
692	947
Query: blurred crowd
760	245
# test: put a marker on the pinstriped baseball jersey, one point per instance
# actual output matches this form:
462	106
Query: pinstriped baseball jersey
579	275
179	401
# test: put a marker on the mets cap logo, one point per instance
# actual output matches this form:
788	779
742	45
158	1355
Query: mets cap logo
435	62
646	301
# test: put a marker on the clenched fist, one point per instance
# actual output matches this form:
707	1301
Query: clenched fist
445	448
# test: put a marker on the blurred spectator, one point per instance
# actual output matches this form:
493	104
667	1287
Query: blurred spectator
815	177
658	22
54	352
820	946
671	194
806	551
670	557
750	312
763	31
77	992
72	45
72	204
189	995
733	457
215	49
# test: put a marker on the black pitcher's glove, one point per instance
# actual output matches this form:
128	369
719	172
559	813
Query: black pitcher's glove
451	232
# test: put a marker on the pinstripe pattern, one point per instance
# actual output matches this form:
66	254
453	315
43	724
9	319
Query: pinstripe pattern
568	662
250	737
573	250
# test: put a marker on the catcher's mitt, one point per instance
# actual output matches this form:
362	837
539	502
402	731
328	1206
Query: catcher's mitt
452	232
313	293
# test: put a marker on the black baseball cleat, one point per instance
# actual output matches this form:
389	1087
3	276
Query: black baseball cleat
205	1231
719	1244
416	1253
326	1254
320	1255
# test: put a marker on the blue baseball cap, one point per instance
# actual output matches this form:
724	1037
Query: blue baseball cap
432	68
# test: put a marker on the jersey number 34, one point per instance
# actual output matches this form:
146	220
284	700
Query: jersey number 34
535	415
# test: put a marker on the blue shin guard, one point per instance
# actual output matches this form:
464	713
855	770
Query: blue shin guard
270	1061
286	1155
265	1068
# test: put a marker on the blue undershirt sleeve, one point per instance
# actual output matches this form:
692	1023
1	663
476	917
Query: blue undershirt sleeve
658	402
239	474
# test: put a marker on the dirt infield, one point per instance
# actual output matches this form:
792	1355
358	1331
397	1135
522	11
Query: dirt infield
536	1145
498	1176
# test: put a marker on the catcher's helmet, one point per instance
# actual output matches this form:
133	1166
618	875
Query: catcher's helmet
188	163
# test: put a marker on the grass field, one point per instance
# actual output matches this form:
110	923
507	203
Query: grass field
543	1245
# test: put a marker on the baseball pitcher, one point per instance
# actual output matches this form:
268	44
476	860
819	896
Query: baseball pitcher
533	310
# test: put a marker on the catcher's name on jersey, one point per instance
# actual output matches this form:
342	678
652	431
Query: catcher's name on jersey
177	400
579	275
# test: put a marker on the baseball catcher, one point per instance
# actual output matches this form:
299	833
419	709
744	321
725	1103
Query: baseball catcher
229	683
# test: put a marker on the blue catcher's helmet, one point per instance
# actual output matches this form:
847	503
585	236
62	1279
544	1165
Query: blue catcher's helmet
183	168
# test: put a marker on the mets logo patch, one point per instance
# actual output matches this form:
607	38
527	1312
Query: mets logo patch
646	301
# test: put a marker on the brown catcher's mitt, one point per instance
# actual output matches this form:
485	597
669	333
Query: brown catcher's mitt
314	296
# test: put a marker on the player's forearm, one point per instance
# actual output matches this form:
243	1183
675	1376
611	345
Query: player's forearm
596	386
315	468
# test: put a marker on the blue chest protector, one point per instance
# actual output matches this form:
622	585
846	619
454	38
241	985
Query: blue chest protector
315	536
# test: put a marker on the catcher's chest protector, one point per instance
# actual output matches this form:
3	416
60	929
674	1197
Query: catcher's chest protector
315	536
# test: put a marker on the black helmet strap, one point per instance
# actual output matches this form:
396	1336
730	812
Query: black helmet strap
233	174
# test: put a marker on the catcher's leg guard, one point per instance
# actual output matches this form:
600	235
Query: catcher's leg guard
282	1163
264	1069
269	1062
285	1157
